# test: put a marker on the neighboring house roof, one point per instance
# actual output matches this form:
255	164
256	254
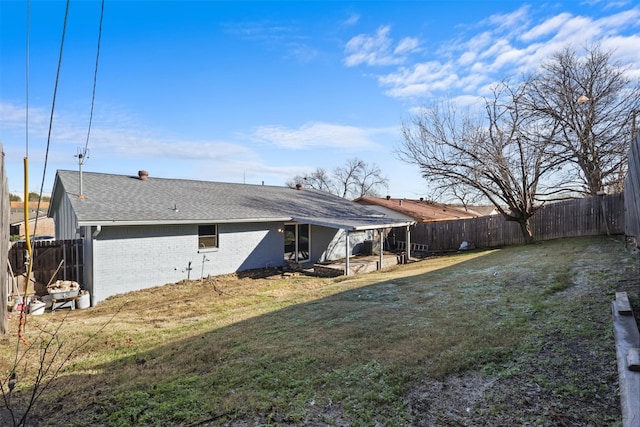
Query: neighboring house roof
128	200
17	216
482	210
420	210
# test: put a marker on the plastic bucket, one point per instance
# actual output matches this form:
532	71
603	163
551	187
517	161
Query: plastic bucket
18	305
83	301
37	307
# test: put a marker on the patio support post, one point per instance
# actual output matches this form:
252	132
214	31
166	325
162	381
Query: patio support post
380	233
297	239
408	243
347	250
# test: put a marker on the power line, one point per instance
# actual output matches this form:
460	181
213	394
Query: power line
55	88
95	79
53	105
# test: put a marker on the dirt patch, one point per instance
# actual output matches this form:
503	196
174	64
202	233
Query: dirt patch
543	389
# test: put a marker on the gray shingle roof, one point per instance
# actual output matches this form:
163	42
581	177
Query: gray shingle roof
123	199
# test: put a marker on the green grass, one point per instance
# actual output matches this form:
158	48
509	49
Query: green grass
331	351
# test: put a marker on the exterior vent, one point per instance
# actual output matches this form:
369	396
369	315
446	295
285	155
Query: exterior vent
143	175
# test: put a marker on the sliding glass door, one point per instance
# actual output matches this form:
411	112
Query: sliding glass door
296	242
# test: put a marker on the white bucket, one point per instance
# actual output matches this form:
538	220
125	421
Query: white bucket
17	304
37	307
83	301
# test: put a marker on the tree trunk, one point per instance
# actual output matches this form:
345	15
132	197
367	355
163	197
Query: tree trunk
526	231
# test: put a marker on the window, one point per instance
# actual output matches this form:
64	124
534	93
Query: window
207	236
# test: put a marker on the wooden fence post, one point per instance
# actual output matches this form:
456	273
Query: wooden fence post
4	246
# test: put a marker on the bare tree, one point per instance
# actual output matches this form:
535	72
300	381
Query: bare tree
318	180
499	156
53	354
370	179
356	178
593	102
346	177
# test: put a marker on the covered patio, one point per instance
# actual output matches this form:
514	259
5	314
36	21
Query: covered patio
354	264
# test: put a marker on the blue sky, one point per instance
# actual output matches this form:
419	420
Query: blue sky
261	91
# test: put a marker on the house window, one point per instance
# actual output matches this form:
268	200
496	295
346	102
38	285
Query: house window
207	236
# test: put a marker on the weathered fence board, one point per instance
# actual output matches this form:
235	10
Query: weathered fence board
572	218
4	249
632	191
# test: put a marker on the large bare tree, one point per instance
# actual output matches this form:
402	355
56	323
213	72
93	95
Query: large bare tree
356	178
593	102
499	155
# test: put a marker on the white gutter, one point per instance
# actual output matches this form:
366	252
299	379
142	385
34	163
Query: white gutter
176	221
325	223
98	230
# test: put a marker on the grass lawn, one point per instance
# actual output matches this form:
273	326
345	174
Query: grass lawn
513	336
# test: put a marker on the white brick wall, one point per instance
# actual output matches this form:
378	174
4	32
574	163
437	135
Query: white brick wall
138	257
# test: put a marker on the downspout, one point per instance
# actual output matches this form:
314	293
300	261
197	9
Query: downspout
93	249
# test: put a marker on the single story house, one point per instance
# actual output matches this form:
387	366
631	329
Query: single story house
140	231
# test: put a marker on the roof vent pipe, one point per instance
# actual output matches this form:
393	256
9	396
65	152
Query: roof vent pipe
143	175
388	197
298	186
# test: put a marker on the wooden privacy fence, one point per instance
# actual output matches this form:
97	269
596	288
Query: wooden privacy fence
57	260
4	236
572	218
632	191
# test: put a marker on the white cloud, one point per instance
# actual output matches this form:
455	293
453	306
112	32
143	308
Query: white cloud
351	20
378	49
513	20
505	46
470	101
314	135
625	49
407	45
420	80
14	119
547	27
627	18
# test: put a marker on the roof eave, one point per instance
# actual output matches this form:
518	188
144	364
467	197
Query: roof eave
343	225
386	225
86	223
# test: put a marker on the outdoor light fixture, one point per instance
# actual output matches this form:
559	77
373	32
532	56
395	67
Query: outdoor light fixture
582	99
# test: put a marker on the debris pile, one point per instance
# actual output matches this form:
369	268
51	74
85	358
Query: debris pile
63	289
